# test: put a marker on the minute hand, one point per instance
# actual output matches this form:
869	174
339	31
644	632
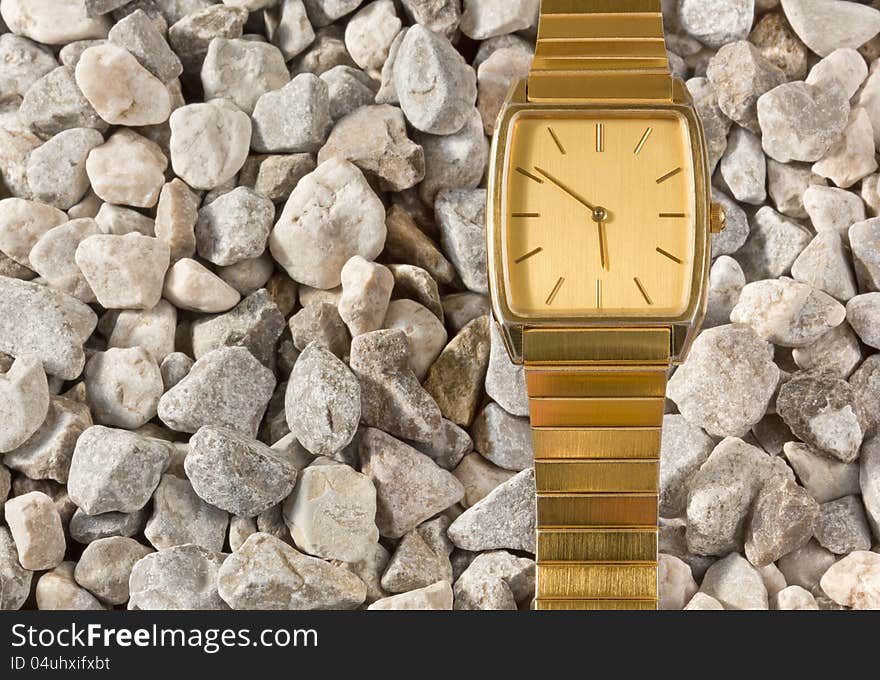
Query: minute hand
580	199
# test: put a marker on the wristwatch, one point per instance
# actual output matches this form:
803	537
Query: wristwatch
598	233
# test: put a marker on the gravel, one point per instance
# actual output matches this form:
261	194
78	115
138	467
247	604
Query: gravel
246	351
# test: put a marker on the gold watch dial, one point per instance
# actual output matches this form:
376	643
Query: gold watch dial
600	215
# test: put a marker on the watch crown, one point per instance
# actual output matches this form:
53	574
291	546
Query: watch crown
717	218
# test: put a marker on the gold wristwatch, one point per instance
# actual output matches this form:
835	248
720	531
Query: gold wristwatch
598	231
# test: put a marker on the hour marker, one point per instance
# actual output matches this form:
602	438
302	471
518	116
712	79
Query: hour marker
600	137
521	171
555	290
556	139
643	140
643	291
672	215
670	256
668	175
598	294
529	254
525	214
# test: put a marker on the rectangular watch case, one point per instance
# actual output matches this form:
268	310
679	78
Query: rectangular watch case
684	326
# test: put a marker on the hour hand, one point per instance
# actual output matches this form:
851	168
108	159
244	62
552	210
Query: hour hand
580	199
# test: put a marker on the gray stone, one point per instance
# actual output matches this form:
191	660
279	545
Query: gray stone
864	238
227	387
825	264
293	119
24	402
503	439
866	382
14	579
478	477
448	446
703	602
85	528
805	566
721	494
435	597
726	281
320	323
322	403
505	381
123	387
421	558
737	230
139	34
266	573
236	473
461	216
115	470
495	76
833	209
180	517
54	103
369	34
869	482
414	283
24	62
118	220
495	580
191	35
288	27
773	245
716	124
717	22
851	158
823	411
683	450
53	257
57	590
152	329
782	520
793	598
675	583
255	323
842	526
46	324
392	398
234	227
503	519
744	167
57	170
863	314
180	578
278	175
348	89
410	487
827	25
22	224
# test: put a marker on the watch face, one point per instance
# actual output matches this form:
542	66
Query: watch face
600	215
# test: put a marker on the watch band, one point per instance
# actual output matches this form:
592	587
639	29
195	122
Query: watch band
596	398
600	50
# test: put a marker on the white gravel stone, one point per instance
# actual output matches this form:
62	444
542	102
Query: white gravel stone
366	292
242	71
675	583
787	183
51	22
852	158
801	122
288	27
863	314
15	579
435	597
424	332
53	257
869	481
726	281
503	439
332	215
209	143
190	285
478	477
369	34
726	382
437	89
684	449
793	598
773	245
715	123
36	528
127	169
266	573
864	238
505	381
140	35
717	22
833	209
825	264
854	581
22	224
736	584
115	470
844	66
234	227
105	567
482	19
24	62
842	526
331	513
179	578
24	402
495	76
825	478
703	602
783	518
125	272
495	580
121	90
787	312
54	103
837	351
152	329
123	387
461	216
57	590
56	171
46	324
410	487
744	167
115	219
827	25
180	517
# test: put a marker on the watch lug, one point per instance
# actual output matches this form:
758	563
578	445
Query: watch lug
512	335
680	93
